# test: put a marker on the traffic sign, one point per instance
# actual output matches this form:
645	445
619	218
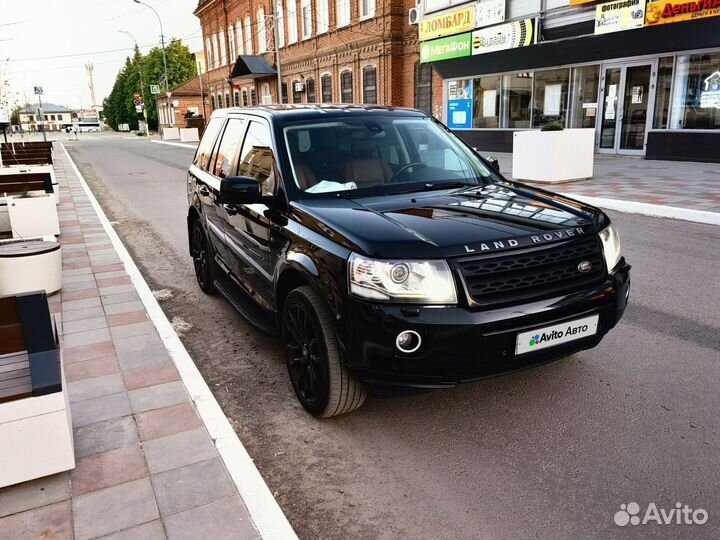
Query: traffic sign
154	88
38	91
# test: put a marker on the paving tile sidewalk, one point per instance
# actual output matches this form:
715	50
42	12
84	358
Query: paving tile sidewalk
680	184
146	466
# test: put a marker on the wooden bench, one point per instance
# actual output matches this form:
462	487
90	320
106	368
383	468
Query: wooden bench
35	425
31	153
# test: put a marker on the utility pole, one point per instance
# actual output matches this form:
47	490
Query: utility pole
89	67
276	39
202	95
162	41
41	116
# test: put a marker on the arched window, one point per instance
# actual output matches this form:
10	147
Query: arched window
245	100
236	98
231	41
292	21
280	22
284	92
253	97
310	90
223	51
346	87
266	97
212	102
297	95
342	13
369	82
262	31
240	42
323	17
248	36
227	99
215	52
326	88
306	6
208	53
220	101
423	87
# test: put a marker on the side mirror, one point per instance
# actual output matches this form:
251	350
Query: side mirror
239	190
494	163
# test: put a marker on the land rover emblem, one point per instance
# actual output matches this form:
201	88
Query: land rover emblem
585	266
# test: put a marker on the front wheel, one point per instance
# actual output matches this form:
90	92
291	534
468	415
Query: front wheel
322	382
202	258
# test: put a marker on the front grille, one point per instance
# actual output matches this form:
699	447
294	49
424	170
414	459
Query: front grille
532	273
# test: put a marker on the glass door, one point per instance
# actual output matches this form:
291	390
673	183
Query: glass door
627	93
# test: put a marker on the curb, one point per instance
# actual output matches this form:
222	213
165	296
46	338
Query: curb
652	210
181	145
268	517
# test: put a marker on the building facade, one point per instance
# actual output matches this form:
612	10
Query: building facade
55	117
180	105
331	51
644	75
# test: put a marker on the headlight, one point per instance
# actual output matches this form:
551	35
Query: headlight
420	282
611	246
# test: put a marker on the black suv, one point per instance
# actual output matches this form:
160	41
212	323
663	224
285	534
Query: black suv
388	254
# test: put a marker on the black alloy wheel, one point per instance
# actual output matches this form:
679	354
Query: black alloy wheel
202	258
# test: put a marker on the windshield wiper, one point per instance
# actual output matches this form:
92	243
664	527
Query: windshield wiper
430	186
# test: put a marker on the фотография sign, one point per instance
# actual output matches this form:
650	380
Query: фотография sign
619	15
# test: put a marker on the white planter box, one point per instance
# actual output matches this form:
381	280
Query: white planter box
189	135
39	270
170	133
33	216
36	435
553	156
29	169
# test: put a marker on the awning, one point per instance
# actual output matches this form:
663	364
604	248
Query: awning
252	67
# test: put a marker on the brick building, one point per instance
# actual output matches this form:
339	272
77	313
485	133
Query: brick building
180	104
331	51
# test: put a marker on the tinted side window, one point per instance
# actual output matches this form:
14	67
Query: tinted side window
257	159
226	161
204	151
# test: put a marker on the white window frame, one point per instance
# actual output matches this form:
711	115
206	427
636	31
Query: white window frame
369	6
265	94
262	30
280	16
239	38
231	42
215	54
362	83
306	16
292	22
323	17
342	13
208	52
352	84
223	50
248	35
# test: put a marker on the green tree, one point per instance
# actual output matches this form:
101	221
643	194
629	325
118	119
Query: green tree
15	114
119	106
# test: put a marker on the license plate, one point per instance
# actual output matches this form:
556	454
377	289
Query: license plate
550	336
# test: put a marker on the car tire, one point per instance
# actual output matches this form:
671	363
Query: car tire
203	259
320	378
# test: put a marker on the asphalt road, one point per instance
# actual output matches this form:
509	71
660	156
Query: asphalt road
547	453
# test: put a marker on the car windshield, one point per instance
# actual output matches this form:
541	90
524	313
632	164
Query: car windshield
379	155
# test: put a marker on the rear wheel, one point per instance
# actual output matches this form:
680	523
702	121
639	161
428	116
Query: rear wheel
322	382
202	258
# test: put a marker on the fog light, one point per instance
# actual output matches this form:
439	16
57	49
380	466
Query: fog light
408	341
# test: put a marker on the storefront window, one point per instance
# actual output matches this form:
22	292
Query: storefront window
550	97
486	102
696	93
516	97
662	94
584	96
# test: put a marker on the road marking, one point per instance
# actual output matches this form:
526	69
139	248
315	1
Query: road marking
652	210
264	510
181	145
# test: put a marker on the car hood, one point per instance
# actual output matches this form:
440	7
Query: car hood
449	223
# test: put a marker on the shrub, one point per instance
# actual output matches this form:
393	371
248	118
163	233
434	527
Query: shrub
552	127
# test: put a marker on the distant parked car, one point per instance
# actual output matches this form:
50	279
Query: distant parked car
387	253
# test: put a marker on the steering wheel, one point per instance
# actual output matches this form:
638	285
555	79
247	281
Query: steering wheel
404	168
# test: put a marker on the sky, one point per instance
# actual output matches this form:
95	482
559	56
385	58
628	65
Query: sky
48	42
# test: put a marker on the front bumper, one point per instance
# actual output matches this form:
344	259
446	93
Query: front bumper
459	345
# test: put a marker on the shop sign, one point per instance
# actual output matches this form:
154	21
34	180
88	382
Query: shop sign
447	24
459	104
502	37
670	11
445	48
489	12
619	15
710	95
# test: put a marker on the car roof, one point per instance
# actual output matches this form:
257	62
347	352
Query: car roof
298	112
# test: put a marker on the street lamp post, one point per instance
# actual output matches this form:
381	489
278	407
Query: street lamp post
142	85
162	40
